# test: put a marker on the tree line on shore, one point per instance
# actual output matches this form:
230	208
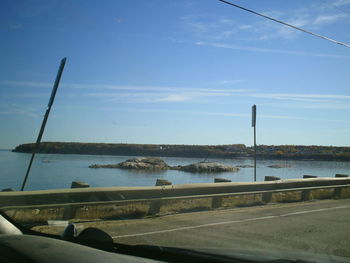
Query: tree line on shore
199	151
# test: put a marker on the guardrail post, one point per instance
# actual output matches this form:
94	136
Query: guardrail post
337	192
69	212
305	195
266	198
154	207
216	202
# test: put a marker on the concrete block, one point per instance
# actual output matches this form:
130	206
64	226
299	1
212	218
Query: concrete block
77	184
8	190
272	178
161	182
306	176
221	180
341	175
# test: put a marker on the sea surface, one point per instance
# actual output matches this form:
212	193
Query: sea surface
57	171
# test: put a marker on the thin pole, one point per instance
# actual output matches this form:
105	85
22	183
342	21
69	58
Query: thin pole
52	98
255	153
254	125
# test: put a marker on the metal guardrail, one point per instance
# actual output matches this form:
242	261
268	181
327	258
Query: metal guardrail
174	198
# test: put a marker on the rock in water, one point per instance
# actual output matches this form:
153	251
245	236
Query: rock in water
77	184
154	163
307	176
207	167
144	163
140	163
271	178
341	175
279	166
221	180
8	190
161	182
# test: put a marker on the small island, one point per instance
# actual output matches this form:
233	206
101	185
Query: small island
229	151
154	163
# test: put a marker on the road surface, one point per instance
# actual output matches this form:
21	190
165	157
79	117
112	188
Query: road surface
321	226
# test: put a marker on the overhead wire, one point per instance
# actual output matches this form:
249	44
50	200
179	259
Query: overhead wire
286	24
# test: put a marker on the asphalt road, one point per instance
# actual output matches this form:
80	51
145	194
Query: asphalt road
317	227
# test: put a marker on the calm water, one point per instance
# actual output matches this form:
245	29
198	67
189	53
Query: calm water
59	170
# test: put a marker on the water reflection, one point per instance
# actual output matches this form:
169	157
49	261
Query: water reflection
61	170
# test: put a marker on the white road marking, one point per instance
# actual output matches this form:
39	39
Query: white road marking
231	222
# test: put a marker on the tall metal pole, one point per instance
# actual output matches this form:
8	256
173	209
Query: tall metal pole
254	125
52	98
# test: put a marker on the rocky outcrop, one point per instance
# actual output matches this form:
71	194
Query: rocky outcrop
141	163
144	163
153	163
206	167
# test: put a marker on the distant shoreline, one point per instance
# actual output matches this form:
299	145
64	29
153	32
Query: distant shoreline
279	152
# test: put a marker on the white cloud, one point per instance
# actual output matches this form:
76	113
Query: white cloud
309	105
181	95
342	2
230	81
328	19
31	95
245	115
292	95
31	84
175	98
311	17
18	110
244	27
277	51
306	101
130	88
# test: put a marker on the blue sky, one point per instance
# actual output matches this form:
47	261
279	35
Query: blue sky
177	72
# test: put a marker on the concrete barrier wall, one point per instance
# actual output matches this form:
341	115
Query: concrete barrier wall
131	193
114	210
